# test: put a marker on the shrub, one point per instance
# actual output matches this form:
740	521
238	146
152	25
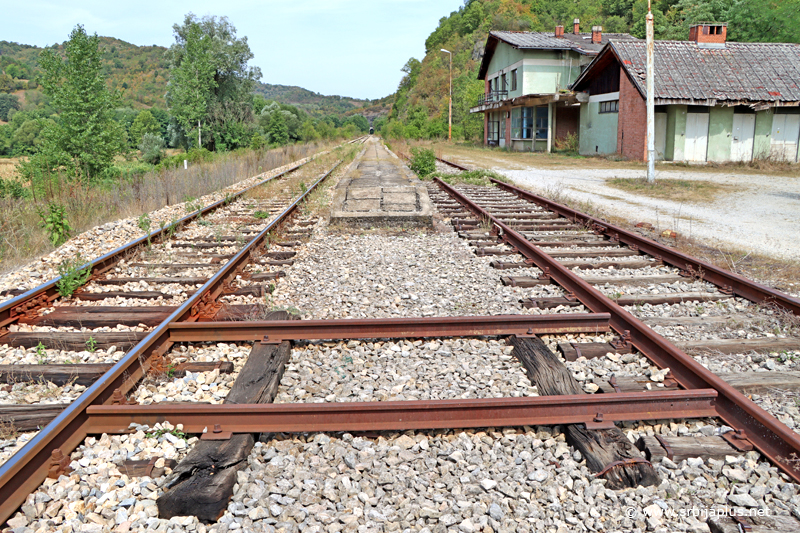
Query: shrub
54	221
12	189
423	161
72	276
152	147
568	144
257	142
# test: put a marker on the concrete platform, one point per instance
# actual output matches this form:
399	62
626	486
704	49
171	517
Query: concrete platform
380	190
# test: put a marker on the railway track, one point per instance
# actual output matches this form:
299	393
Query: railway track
604	268
220	261
227	310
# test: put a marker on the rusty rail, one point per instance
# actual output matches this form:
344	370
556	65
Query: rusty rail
42	295
771	437
25	471
404	415
739	285
395	328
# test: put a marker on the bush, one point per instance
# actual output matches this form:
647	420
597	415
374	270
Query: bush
12	189
568	144
257	142
152	147
54	220
423	161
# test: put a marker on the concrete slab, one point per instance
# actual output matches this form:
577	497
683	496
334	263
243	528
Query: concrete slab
364	193
381	191
405	198
363	205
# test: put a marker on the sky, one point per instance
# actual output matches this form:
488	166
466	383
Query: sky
345	47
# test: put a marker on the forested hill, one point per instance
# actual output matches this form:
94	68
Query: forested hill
314	104
421	100
142	72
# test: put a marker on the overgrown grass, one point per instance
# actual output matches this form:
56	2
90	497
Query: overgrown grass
694	191
23	239
469	177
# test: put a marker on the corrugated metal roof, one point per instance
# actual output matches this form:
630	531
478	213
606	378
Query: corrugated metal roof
766	72
581	42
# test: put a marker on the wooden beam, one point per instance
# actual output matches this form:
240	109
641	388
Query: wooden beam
202	483
601	447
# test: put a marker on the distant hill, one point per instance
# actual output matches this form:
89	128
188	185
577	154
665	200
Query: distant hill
314	104
142	72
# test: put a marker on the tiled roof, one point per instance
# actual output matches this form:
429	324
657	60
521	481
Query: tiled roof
581	42
765	72
528	40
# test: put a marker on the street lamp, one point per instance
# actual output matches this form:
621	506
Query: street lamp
450	98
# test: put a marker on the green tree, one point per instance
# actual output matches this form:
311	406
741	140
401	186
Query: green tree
308	132
192	78
211	81
7	103
85	138
278	132
145	123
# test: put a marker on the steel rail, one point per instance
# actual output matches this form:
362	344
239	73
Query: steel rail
47	292
741	286
770	436
383	328
455	165
405	415
24	471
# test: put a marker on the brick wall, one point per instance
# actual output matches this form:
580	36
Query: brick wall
567	121
485	129
632	128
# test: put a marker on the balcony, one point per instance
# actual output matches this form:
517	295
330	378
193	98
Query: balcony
492	96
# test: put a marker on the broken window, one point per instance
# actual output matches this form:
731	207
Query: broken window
541	123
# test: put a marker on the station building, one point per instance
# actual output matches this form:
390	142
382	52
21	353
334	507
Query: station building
527	102
715	100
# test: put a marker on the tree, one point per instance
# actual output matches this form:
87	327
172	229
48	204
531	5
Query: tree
192	80
308	133
211	82
85	138
278	132
7	103
145	123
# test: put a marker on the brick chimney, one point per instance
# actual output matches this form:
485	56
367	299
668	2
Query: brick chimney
709	33
576	26
560	31
597	34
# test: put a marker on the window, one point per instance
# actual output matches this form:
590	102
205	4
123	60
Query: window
503	83
514	80
611	106
541	123
493	133
526	122
516	122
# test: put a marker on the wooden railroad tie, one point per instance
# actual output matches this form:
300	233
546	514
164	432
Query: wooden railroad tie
202	483
601	448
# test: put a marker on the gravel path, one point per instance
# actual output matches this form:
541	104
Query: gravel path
758	215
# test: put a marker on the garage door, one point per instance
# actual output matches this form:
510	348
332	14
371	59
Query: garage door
696	137
785	133
744	126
